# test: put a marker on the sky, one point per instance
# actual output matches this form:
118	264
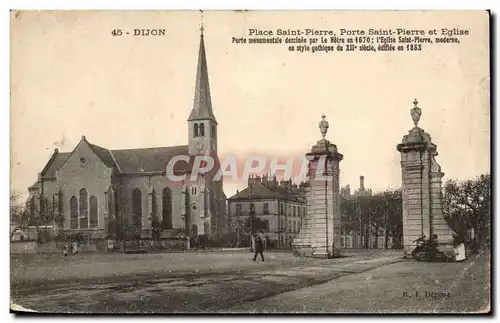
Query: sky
70	77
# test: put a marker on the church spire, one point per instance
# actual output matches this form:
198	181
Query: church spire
202	106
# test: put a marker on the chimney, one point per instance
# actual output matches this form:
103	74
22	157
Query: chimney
361	183
272	182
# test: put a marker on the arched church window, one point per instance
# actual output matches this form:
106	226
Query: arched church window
213	131
137	209
84	209
195	128
73	206
202	130
167	208
93	212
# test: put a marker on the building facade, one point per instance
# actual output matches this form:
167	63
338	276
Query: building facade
279	207
130	194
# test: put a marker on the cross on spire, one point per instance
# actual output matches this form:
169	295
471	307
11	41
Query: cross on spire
202	26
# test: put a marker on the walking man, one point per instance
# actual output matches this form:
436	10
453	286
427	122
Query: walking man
259	246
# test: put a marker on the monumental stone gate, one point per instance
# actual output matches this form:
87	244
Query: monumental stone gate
422	196
320	232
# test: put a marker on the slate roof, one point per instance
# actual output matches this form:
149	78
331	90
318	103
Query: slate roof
104	154
34	186
142	160
54	163
151	159
261	191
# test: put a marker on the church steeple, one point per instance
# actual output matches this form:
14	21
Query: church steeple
202	106
201	122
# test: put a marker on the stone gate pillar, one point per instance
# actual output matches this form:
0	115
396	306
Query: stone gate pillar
320	232
421	189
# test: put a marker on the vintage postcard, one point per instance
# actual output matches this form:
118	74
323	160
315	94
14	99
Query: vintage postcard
250	162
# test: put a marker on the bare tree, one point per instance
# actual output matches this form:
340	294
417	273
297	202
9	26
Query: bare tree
42	214
369	215
16	209
467	204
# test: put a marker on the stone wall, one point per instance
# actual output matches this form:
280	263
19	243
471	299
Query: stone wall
22	247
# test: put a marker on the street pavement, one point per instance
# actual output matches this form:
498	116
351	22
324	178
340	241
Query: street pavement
231	282
403	287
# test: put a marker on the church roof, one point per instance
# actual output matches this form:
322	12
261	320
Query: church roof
104	154
202	105
150	159
261	191
54	163
142	160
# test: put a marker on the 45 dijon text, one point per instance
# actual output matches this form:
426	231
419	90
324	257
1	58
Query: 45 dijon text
139	32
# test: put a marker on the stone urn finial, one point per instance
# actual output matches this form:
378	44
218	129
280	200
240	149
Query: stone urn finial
323	126
415	112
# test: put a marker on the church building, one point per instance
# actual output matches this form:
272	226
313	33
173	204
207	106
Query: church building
127	194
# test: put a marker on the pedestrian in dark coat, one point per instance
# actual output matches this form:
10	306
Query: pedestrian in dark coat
259	246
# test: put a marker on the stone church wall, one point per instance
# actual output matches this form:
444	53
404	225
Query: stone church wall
83	169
